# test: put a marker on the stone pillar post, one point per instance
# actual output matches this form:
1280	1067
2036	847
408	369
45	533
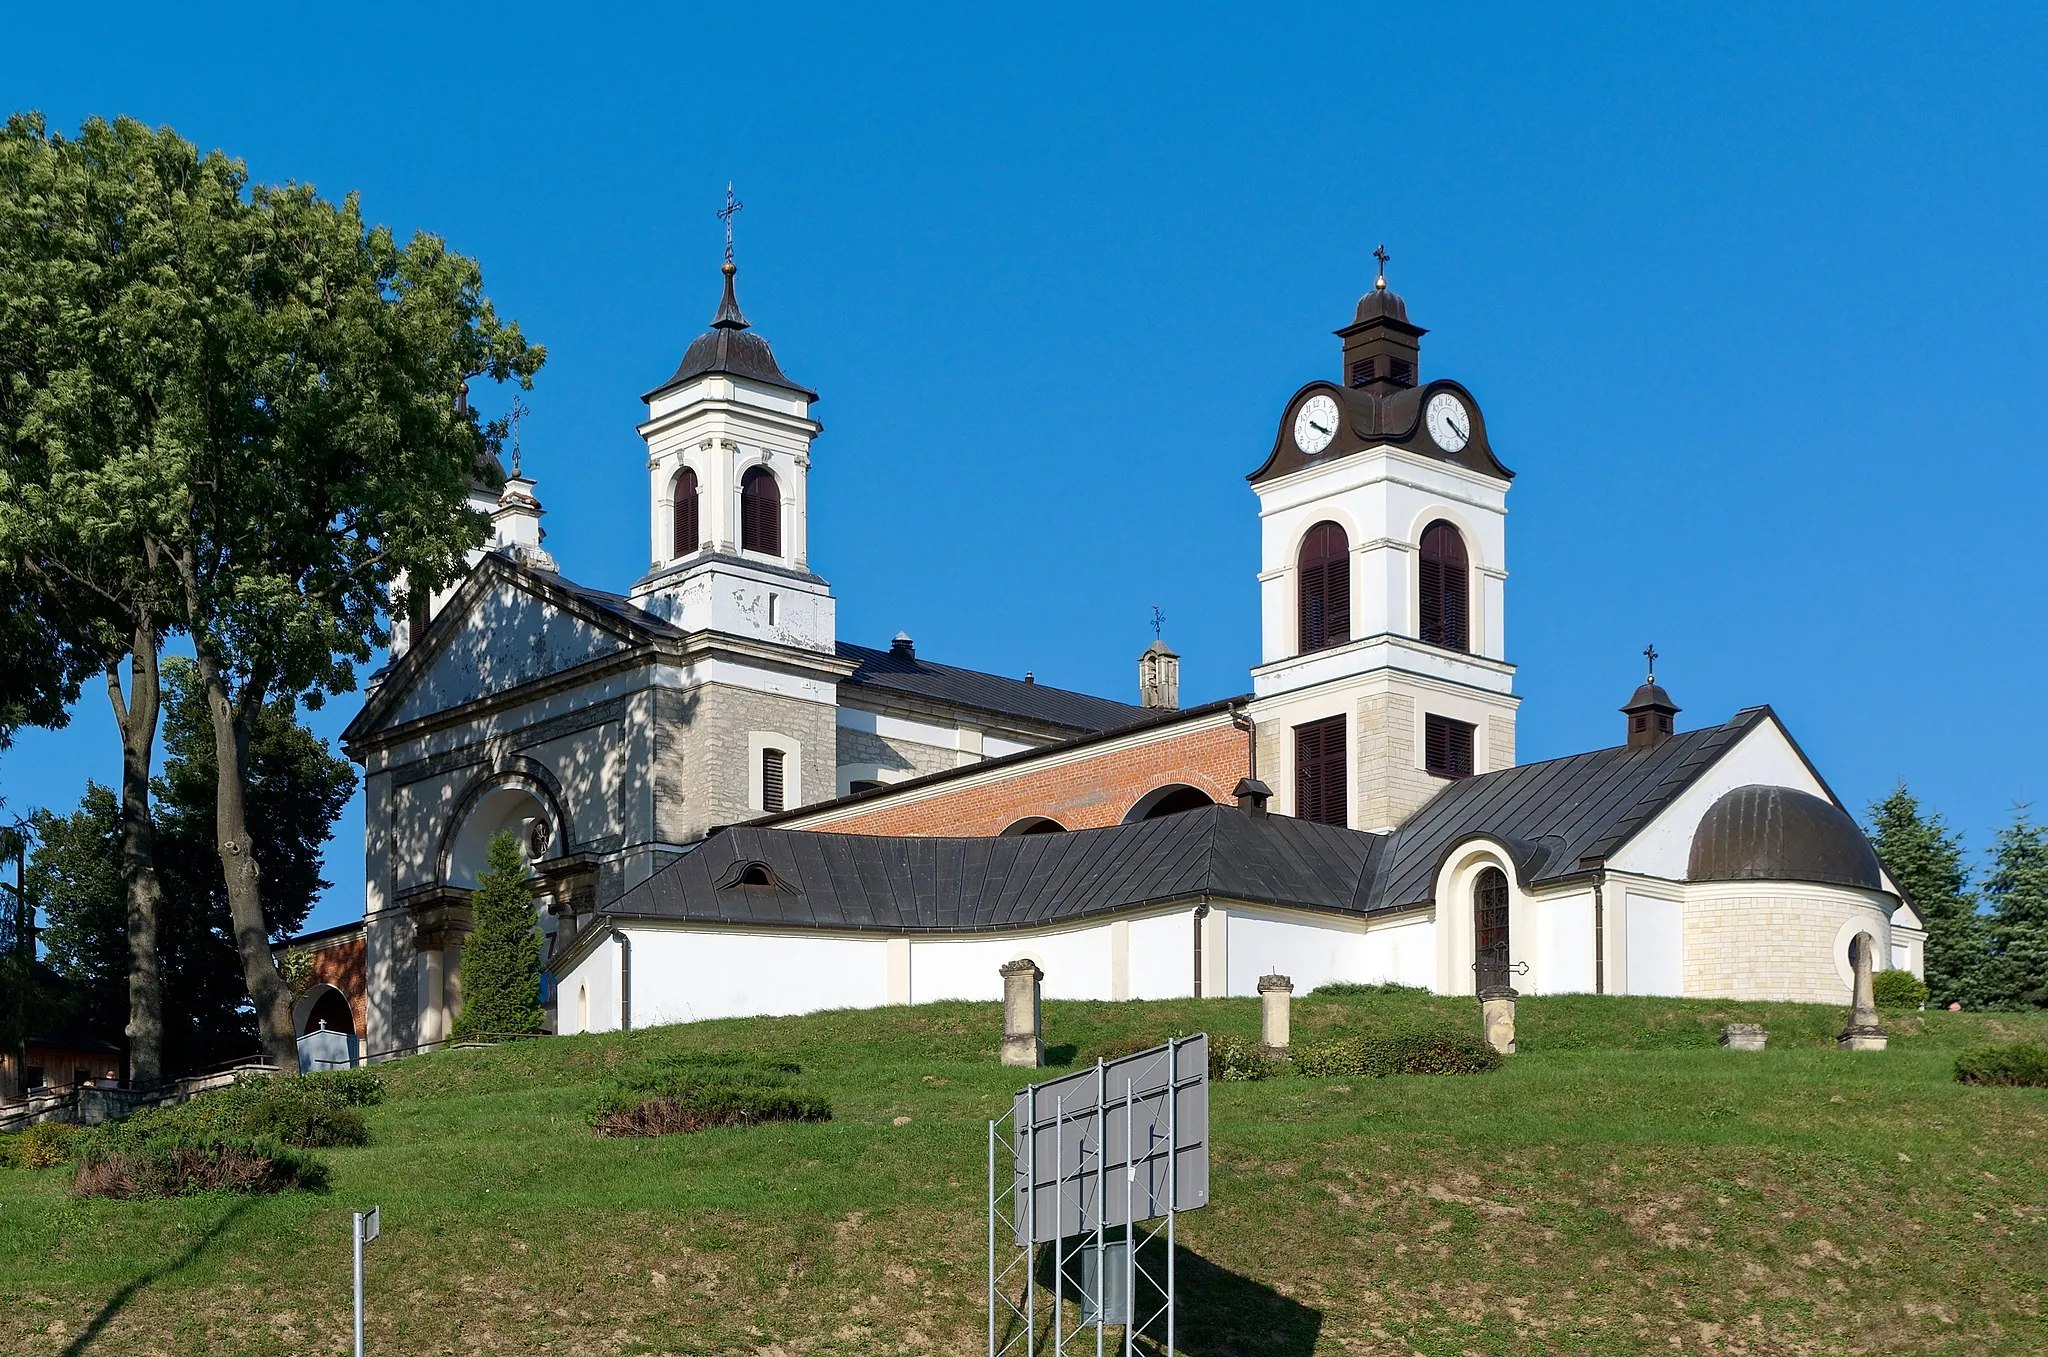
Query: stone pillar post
1497	1018
433	997
1023	1042
1866	1031
1276	993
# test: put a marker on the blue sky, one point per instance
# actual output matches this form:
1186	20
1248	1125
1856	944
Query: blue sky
1751	297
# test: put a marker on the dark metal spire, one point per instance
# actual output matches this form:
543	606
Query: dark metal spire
729	317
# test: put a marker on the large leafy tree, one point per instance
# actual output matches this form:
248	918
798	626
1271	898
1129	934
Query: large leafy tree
501	958
1926	858
307	444
297	788
2016	976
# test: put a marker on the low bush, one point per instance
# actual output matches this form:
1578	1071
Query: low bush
1377	1055
2019	1065
170	1167
1898	989
306	1110
697	1090
42	1146
1235	1059
1341	989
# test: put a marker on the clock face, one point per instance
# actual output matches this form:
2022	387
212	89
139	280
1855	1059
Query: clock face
1315	424
1450	423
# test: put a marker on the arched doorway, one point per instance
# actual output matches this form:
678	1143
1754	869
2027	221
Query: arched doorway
509	807
1490	952
1168	800
328	1039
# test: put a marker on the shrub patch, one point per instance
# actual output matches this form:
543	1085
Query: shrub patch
1415	1051
172	1168
2019	1065
1897	989
304	1110
698	1090
42	1146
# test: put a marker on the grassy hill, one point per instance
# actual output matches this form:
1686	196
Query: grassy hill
1623	1186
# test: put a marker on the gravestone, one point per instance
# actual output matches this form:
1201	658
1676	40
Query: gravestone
1276	995
1866	1031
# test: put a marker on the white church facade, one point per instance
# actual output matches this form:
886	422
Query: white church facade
731	811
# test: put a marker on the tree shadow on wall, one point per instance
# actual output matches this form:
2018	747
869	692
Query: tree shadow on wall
1221	1313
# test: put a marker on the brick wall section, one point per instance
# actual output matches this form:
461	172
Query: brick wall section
1086	792
1723	957
340	964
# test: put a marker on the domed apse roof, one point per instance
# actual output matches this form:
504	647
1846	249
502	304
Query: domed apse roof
1759	833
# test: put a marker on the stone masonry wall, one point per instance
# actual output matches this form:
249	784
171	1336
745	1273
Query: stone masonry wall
1084	792
1391	783
1726	955
703	773
908	757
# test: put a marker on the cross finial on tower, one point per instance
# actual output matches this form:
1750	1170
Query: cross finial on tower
519	413
1158	624
725	214
1380	283
1650	654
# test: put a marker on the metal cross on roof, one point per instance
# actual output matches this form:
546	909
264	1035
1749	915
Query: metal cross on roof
1650	654
1381	255
519	412
1158	623
725	214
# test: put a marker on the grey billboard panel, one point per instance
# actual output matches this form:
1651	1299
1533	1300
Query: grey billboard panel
1106	1144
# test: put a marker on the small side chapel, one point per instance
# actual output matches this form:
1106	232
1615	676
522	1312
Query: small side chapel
729	810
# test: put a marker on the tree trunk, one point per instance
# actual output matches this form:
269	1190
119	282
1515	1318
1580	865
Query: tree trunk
137	718
267	988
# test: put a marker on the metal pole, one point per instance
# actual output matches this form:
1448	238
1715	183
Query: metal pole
1101	1197
1172	1174
358	1231
1059	1215
1130	1224
1031	1220
992	1237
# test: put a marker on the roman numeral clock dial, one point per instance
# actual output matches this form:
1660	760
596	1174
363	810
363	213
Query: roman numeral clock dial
1315	424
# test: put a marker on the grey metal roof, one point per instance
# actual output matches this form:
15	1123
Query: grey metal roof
892	671
1554	815
866	882
1760	833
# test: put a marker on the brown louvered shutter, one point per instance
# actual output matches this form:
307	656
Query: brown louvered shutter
771	780
1445	579
686	513
1447	746
1319	781
761	512
1324	586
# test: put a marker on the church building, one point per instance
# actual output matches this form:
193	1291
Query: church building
729	810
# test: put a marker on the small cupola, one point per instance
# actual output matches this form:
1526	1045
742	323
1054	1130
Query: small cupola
1159	677
902	647
1382	350
1650	710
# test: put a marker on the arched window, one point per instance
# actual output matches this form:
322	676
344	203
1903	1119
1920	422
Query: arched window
1168	800
1325	585
1446	588
761	512
1490	930
1033	824
686	512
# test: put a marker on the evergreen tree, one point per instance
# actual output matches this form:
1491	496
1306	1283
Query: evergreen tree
501	959
1925	857
2017	888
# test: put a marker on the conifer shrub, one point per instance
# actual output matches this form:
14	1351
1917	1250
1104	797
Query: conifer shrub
1897	989
1413	1051
698	1090
42	1146
2018	1065
501	958
172	1166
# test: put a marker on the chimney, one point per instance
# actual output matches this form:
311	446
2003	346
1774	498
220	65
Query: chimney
903	648
1252	795
1650	711
1159	677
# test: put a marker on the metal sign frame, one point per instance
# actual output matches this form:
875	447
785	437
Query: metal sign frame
1101	1164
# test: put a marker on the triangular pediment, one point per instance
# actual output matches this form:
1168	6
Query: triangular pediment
507	627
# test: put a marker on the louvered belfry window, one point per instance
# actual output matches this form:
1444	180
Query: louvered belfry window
761	512
686	512
1363	371
1325	585
1319	785
1447	746
1446	588
771	780
1490	930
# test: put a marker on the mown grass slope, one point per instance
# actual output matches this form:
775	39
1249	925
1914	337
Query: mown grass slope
1623	1186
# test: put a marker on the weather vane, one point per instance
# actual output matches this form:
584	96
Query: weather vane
1650	654
725	214
1158	623
519	412
1381	255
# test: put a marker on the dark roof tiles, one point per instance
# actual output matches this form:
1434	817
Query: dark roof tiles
896	671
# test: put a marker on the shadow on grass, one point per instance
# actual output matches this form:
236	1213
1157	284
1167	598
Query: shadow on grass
119	1300
1221	1314
1062	1054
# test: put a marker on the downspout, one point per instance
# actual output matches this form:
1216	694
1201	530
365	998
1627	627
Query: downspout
1201	913
1600	931
625	980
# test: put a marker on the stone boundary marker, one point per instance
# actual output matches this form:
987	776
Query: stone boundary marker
1744	1036
1276	996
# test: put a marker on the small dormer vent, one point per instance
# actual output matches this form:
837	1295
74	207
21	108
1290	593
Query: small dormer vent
752	872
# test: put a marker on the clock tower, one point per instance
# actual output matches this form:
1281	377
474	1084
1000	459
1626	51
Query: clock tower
1383	572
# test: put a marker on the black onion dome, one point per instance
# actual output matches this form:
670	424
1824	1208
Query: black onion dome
1381	303
1759	833
731	347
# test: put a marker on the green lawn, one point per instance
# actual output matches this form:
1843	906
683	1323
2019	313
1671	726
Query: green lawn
1623	1186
